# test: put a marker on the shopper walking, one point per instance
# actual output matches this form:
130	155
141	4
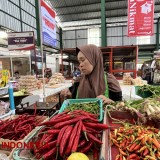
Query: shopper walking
94	81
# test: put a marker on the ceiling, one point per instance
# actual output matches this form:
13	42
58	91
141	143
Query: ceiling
77	14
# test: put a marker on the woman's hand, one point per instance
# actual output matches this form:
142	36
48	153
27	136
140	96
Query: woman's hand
65	93
105	99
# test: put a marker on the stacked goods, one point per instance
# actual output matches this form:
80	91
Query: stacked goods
127	79
68	132
56	79
136	142
4	108
29	83
138	81
17	128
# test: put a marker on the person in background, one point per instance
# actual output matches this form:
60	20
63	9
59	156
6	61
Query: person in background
94	82
16	74
75	82
146	73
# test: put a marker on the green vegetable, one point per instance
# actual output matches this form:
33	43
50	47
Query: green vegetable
91	107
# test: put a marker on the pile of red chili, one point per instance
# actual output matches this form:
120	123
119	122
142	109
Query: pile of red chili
69	132
136	143
18	128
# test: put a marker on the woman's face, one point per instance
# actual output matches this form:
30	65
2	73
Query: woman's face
84	65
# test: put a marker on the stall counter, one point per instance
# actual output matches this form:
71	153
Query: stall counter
51	91
128	92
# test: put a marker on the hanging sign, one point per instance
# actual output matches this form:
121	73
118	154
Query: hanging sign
48	24
21	40
140	17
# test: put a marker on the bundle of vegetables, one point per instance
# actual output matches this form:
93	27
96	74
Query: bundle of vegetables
18	128
154	90
91	107
68	132
136	142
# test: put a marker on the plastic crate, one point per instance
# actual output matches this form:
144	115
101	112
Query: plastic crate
143	94
67	102
11	112
3	90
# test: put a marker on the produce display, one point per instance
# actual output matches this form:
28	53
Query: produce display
29	83
136	142
4	108
91	107
69	132
17	128
154	90
56	79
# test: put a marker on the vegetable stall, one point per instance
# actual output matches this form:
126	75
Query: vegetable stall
124	130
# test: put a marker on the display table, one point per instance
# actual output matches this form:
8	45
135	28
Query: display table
51	91
128	91
41	107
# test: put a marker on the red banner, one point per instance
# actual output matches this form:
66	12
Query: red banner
140	17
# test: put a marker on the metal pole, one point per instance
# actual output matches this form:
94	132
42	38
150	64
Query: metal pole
60	34
157	34
41	49
37	22
11	66
30	67
103	24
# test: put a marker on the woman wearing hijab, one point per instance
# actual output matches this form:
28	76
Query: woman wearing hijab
95	83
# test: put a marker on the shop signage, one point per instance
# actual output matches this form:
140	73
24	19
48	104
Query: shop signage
48	25
140	17
20	40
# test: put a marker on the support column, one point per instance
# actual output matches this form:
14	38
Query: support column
103	24
61	39
157	34
37	22
20	14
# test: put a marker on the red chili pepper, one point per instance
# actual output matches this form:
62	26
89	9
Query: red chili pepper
51	131
95	154
48	155
84	131
45	146
131	156
91	130
65	138
94	139
146	151
58	120
76	140
72	138
59	115
132	147
96	125
60	135
137	147
62	124
82	143
86	148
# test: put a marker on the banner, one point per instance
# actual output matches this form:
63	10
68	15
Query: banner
140	17
20	40
48	25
